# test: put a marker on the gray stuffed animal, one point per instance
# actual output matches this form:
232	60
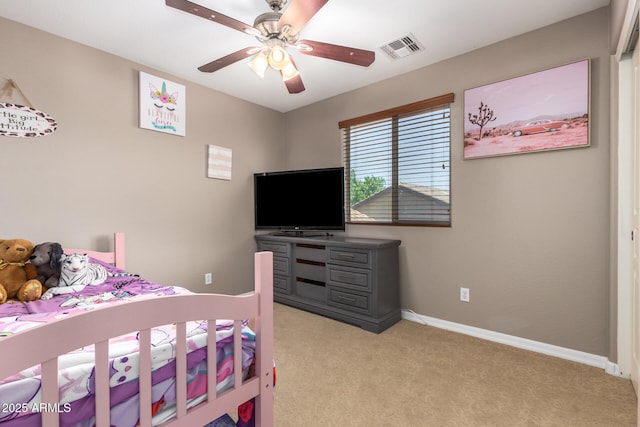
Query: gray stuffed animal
46	258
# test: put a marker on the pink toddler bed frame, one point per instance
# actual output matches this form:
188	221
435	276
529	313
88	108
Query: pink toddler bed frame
42	345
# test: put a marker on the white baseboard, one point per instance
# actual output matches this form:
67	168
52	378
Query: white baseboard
523	343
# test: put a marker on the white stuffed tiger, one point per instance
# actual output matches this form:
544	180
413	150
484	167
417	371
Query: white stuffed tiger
76	272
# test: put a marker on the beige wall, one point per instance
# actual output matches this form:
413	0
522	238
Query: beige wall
101	173
530	233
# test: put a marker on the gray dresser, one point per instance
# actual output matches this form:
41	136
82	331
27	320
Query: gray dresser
354	280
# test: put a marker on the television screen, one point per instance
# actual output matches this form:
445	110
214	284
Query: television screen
299	200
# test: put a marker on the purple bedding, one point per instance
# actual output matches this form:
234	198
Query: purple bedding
20	393
115	288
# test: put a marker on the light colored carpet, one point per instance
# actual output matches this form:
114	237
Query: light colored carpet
333	374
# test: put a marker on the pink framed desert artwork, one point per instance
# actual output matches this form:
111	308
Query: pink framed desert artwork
546	110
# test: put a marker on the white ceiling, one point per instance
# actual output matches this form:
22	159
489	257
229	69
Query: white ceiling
166	39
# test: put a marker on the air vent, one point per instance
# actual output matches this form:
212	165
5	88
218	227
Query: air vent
404	46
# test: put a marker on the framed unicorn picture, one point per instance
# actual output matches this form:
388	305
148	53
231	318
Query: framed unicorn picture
162	105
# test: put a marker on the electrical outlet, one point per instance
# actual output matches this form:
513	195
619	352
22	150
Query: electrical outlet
464	295
208	278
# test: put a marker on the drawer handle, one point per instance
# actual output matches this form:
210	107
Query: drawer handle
346	299
345	276
346	255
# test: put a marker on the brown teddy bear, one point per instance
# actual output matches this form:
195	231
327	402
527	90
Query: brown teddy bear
17	277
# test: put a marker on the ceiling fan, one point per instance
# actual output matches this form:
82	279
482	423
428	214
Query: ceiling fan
276	31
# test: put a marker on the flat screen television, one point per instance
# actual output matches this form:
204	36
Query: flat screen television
299	200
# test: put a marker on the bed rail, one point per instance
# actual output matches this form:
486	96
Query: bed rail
116	257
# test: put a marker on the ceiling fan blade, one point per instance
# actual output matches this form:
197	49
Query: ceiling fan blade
350	55
298	13
294	84
228	60
211	15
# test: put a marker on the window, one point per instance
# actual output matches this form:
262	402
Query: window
397	165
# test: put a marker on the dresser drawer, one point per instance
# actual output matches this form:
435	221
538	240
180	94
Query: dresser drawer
348	300
280	284
311	291
281	265
310	253
346	256
310	271
351	278
276	247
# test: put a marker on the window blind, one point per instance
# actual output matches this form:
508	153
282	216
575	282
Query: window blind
397	165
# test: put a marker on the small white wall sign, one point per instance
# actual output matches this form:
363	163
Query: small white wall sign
219	162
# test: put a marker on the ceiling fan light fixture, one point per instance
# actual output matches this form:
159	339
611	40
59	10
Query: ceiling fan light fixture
289	71
259	64
278	58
